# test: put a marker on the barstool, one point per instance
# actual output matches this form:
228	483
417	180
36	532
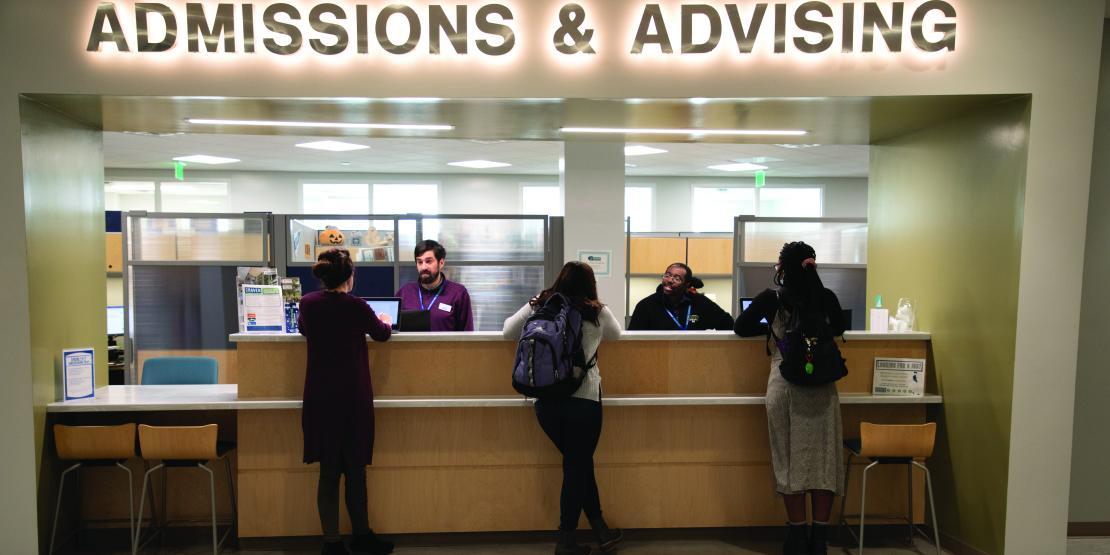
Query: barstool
185	446
95	446
892	444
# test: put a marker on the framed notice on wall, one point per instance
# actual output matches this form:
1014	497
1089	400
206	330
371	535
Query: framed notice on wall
598	260
899	377
78	376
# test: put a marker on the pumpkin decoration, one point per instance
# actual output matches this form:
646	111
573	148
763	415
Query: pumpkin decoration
331	237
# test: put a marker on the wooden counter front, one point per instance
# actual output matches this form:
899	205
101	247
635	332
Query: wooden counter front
492	468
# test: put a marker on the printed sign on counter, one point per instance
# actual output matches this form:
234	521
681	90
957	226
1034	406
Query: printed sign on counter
78	375
598	260
899	377
263	309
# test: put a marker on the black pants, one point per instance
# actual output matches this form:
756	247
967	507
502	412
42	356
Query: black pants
574	426
327	497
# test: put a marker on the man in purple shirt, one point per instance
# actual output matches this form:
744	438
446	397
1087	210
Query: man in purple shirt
447	301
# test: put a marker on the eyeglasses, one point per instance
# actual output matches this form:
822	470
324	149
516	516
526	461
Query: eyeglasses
674	277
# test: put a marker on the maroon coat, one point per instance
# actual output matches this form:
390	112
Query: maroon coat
338	410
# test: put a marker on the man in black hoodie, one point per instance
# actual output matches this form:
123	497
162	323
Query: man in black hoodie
676	307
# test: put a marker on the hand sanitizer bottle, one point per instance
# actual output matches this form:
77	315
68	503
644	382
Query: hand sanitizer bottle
880	321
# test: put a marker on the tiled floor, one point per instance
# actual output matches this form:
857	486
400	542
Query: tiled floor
1088	546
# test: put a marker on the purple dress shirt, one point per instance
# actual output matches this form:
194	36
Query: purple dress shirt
450	310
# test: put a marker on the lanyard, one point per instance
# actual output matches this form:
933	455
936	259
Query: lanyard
431	303
681	326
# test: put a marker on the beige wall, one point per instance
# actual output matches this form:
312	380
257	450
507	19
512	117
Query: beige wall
930	192
62	174
1090	489
1045	48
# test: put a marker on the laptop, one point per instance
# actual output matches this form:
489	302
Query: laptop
416	320
745	302
390	306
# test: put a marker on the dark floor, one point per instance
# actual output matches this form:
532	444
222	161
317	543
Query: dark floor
195	542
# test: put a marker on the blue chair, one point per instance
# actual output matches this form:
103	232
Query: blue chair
180	371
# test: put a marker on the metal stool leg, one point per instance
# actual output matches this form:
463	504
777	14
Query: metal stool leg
58	505
142	499
212	498
932	506
863	503
909	496
843	523
130	505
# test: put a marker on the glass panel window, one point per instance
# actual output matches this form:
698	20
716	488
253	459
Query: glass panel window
639	207
541	199
414	198
129	195
791	203
715	207
335	198
194	196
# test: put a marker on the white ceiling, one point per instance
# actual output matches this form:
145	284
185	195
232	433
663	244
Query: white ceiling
400	155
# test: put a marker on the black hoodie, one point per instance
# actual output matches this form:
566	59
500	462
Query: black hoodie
653	313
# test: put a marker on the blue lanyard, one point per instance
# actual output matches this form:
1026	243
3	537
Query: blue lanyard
681	326
420	291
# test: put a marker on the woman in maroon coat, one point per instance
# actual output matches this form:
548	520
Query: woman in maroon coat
338	416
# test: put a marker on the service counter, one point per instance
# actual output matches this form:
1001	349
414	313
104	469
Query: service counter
684	442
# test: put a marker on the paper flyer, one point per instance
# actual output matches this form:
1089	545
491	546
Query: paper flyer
899	377
78	375
263	308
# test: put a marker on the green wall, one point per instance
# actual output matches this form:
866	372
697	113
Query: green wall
945	224
63	181
1090	490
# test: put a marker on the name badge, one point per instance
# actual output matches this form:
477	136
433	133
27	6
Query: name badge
445	307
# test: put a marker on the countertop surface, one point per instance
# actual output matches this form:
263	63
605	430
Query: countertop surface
133	398
625	336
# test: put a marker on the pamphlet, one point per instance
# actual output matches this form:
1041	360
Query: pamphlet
78	376
263	309
899	377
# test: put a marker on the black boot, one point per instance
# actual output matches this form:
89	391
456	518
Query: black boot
334	548
568	545
818	539
797	541
371	543
607	538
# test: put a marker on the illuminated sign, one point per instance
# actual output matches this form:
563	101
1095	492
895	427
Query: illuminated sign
488	29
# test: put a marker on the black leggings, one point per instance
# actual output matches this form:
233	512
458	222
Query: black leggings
574	426
327	498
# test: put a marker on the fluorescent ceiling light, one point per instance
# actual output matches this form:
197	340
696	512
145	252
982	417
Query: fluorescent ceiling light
741	167
206	159
321	124
332	146
699	101
128	187
640	150
661	131
798	146
479	164
627	165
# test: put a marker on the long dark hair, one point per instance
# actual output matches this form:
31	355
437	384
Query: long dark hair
576	280
801	286
333	267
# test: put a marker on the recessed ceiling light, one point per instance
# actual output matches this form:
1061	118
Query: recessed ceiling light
742	167
663	131
206	159
332	146
640	150
344	163
479	164
321	124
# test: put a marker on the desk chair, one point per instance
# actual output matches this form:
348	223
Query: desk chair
95	446
892	444
185	447
180	371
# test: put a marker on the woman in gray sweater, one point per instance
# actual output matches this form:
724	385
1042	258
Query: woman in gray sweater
574	423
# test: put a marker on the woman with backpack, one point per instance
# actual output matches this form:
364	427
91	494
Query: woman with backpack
803	420
573	423
338	416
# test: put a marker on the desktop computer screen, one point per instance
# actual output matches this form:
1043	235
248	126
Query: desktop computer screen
115	320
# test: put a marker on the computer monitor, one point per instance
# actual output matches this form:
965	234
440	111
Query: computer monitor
115	320
416	320
390	306
745	302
